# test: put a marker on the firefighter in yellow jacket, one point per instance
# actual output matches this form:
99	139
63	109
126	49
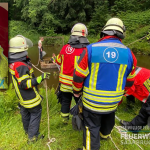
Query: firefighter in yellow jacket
25	84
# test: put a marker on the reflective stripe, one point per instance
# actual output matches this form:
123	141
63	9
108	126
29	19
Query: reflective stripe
29	84
23	77
147	85
76	89
31	70
130	76
66	76
109	44
66	88
76	61
83	72
98	109
104	136
12	71
88	139
61	68
103	93
138	70
58	58
93	77
64	114
16	88
65	81
102	99
121	72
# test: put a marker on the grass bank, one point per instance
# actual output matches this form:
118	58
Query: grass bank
12	135
132	34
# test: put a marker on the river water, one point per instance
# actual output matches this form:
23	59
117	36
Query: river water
143	61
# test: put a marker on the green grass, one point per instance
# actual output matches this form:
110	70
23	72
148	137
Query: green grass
12	136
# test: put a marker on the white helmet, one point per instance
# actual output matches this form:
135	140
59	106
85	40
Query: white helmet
79	29
19	44
114	24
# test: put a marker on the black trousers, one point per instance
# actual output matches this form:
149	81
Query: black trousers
96	125
66	102
31	120
141	119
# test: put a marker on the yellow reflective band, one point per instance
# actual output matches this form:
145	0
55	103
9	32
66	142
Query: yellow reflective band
83	72
58	58
16	88
31	70
103	93
93	77
65	81
121	73
84	148
32	105
131	76
62	63
12	71
98	109
76	89
66	76
76	61
23	77
101	99
147	85
66	88
88	139
64	114
104	136
29	84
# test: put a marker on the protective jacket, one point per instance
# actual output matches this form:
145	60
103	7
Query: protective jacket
25	83
141	86
104	67
67	59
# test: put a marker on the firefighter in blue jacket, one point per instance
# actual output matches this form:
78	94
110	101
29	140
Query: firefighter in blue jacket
101	73
25	84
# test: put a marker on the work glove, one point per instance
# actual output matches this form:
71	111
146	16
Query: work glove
44	75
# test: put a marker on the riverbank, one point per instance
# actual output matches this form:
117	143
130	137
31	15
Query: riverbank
13	136
141	47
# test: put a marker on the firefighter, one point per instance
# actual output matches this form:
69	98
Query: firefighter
40	47
140	90
67	59
102	71
25	84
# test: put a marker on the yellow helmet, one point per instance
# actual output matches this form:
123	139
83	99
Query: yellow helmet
79	29
19	44
114	24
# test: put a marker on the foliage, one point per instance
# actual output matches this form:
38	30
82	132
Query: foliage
22	28
8	102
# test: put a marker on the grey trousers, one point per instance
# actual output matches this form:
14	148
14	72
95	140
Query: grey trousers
31	120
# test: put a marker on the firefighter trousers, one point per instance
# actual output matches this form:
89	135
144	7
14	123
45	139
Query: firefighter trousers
31	120
96	126
66	102
141	119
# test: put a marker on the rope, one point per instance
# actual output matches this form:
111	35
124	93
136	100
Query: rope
50	140
114	143
137	40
